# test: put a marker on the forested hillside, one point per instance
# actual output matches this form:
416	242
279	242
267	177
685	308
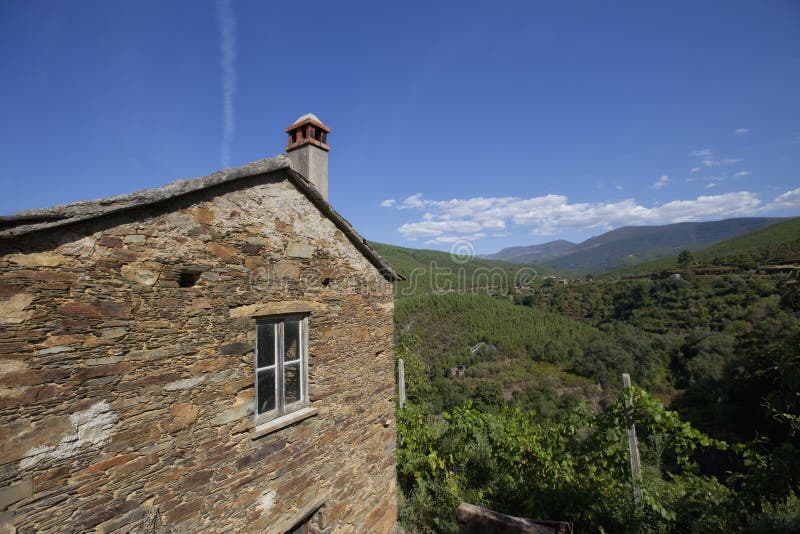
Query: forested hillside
532	423
429	271
632	245
534	253
776	244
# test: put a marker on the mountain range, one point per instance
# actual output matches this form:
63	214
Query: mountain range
631	245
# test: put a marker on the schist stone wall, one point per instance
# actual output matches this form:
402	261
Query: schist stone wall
126	400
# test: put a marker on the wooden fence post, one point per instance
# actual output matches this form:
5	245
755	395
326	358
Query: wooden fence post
401	383
633	444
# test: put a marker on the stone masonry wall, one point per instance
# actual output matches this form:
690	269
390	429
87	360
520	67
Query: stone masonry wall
126	401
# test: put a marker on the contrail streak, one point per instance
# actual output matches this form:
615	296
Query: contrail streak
227	29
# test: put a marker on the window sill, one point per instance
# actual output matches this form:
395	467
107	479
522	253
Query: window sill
283	421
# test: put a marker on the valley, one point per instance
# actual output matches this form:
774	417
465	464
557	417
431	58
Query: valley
530	423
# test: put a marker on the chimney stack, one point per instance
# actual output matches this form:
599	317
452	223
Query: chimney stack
308	152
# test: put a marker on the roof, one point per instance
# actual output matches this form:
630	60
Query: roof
30	221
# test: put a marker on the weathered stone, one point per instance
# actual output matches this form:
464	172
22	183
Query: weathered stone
184	511
236	348
286	270
145	273
5	522
134	239
54	350
8	290
297	249
225	252
185	383
105	370
15	492
210	276
109	242
184	413
113	333
202	215
96	310
278	308
206	365
45	276
12	310
174	367
249	248
62	340
37	259
232	414
105	465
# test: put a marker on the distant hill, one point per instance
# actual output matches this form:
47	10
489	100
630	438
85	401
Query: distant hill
632	245
534	253
427	271
774	244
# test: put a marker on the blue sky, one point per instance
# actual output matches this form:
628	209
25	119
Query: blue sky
498	123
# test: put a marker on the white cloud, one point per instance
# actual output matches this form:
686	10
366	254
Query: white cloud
618	187
741	131
438	228
695	169
742	173
788	200
444	239
388	203
702	153
227	29
720	162
473	218
661	182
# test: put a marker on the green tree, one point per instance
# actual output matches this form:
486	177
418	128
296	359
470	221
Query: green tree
685	258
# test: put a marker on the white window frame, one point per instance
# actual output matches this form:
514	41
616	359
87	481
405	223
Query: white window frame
281	408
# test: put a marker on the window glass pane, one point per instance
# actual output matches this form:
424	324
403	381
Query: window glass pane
291	340
266	344
266	391
291	375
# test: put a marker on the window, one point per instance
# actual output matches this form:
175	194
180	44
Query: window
281	366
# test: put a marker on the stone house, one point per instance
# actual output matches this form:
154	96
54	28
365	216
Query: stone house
213	355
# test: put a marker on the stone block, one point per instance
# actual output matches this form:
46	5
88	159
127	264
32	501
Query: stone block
15	492
185	511
96	310
109	242
37	259
185	383
298	249
184	414
134	239
13	310
145	273
225	252
232	414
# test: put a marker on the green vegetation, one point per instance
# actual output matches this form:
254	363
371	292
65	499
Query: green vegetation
776	244
434	271
534	426
633	245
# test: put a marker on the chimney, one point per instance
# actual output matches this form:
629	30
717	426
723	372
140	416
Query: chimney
308	152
